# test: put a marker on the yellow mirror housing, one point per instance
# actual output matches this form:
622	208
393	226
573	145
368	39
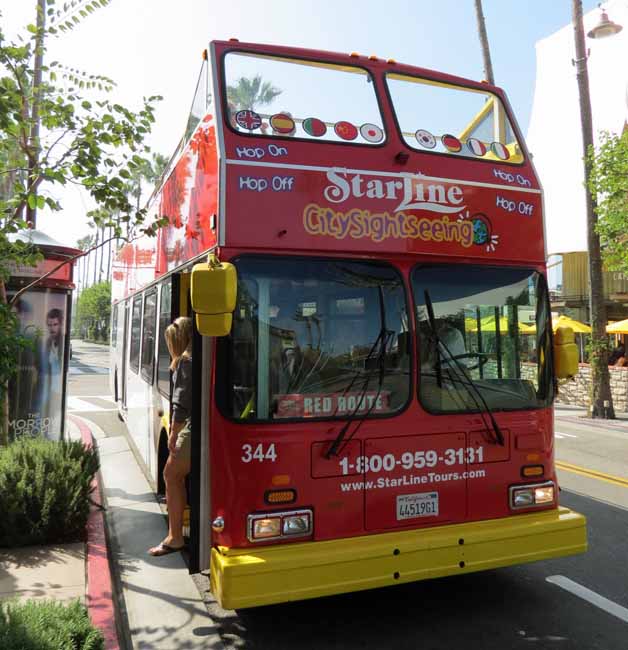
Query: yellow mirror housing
565	353
213	291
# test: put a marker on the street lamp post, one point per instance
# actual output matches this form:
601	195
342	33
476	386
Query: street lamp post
601	398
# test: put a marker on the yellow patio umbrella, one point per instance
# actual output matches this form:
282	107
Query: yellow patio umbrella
576	326
621	327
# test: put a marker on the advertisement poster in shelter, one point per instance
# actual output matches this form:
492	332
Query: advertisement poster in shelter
36	390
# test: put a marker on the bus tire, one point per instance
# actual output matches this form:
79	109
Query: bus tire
162	457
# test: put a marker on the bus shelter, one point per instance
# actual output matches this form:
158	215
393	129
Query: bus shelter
37	392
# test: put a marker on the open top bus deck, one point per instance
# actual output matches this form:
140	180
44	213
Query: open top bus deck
381	409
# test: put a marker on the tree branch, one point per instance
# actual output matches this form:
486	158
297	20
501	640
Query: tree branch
127	240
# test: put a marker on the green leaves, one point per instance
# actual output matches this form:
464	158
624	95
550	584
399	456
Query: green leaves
93	143
94	305
609	182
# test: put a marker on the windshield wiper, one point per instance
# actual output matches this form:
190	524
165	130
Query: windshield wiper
476	393
381	344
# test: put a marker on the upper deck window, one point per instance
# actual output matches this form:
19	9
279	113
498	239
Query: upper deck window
453	120
281	97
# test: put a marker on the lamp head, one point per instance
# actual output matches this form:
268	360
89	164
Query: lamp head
604	28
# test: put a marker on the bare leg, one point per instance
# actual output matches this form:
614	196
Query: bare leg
174	474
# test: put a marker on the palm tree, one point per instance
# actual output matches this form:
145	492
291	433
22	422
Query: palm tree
150	171
95	251
84	244
486	53
251	93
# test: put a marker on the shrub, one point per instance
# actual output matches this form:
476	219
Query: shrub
47	625
44	491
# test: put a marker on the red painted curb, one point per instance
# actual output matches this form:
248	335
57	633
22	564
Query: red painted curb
99	592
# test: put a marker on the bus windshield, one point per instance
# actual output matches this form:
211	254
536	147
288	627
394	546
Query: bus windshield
316	339
281	97
493	326
452	120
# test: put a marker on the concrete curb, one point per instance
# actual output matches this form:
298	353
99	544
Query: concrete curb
99	593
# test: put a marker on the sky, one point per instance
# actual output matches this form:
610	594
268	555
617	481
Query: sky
153	47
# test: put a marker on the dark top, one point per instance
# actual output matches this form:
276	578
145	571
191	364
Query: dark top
182	390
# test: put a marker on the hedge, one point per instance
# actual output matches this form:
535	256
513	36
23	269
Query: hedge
45	489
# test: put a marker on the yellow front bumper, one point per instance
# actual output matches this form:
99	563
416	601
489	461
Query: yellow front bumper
274	574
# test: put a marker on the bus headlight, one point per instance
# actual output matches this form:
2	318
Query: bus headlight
532	495
267	528
279	525
297	524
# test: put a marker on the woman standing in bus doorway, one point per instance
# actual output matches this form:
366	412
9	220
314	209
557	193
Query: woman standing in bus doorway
179	341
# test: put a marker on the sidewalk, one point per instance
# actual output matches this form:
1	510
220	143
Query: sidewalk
158	602
43	572
579	414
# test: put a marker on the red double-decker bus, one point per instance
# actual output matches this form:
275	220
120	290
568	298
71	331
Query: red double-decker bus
378	408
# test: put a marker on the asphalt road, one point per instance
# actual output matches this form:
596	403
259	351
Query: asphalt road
579	602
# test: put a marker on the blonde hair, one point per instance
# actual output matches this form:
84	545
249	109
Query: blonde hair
179	339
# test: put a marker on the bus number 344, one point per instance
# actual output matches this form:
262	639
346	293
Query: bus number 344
259	453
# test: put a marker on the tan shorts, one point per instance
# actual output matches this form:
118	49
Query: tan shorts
184	443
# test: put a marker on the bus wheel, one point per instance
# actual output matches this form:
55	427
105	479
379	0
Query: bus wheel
162	457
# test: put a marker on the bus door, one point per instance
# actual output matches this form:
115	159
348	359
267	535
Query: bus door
198	480
199	494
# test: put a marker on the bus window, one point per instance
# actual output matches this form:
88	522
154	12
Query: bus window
201	100
490	329
114	326
453	120
163	356
148	335
303	99
136	321
316	339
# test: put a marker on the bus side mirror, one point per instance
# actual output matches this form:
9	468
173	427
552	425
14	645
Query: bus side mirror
565	353
213	290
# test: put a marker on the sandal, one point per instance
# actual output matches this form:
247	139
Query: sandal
164	549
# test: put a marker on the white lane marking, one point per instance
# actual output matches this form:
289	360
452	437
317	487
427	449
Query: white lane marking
77	405
561	434
88	370
107	398
590	596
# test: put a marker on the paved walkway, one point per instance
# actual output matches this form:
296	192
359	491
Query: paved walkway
161	604
43	572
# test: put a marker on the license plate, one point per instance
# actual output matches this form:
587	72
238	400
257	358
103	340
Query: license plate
411	506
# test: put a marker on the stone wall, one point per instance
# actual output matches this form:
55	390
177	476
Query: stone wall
578	390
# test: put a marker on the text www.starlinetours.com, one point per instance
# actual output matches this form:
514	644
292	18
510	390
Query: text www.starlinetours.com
431	478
